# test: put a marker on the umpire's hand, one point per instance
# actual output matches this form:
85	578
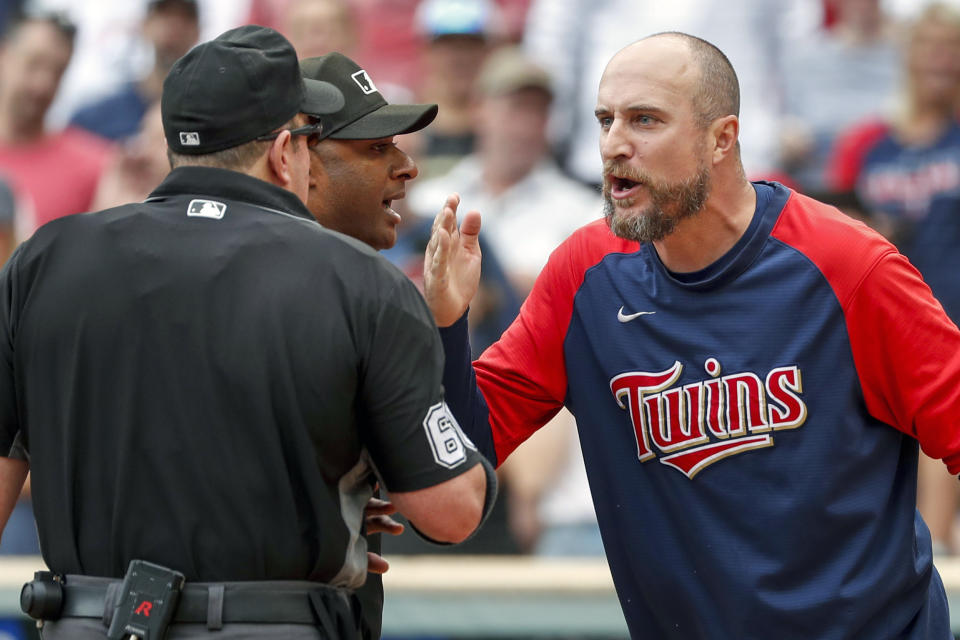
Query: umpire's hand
377	514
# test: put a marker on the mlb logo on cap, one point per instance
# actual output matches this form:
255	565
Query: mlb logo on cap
189	138
363	80
365	115
206	209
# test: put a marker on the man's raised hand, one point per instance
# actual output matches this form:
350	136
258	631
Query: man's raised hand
451	264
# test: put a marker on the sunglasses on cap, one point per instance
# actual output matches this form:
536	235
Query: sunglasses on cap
313	131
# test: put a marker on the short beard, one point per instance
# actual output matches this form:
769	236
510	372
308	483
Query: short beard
670	203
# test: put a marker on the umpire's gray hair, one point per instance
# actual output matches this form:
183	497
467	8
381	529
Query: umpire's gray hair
239	158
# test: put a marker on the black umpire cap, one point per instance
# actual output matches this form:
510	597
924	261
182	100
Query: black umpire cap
243	84
366	114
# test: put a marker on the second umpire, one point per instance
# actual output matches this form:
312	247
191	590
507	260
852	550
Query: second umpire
205	382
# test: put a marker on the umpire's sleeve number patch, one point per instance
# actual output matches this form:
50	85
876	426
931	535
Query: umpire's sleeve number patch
447	441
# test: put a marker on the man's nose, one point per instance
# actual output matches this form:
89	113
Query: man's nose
406	169
615	142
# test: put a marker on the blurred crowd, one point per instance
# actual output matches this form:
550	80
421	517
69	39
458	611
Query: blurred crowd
854	102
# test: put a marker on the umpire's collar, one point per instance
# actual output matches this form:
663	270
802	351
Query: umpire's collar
229	185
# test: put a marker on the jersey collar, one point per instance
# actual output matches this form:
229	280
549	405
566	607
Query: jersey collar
771	198
230	185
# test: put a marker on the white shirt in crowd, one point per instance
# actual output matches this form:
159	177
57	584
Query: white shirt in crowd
525	223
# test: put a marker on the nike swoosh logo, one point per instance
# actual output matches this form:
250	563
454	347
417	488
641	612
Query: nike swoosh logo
627	317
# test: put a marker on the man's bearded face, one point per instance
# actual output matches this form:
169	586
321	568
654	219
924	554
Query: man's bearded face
670	202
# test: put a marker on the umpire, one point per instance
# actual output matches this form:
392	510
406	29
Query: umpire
205	382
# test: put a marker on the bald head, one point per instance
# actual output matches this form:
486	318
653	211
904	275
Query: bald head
667	107
716	90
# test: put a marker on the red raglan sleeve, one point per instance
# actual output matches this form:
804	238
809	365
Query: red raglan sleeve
905	349
523	376
907	354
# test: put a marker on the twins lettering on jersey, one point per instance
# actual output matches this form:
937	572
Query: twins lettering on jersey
692	426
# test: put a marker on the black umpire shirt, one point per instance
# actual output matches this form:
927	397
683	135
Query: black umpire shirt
206	380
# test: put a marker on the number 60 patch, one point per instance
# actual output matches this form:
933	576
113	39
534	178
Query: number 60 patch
447	441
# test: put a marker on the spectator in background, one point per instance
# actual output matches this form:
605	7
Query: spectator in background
837	76
170	27
106	51
906	170
54	173
317	27
137	168
388	45
457	36
529	207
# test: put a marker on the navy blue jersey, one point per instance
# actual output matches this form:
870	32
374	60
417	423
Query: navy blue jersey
750	431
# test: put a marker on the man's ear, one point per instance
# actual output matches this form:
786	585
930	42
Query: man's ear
280	157
724	133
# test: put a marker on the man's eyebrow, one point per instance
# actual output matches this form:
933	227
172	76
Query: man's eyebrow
648	108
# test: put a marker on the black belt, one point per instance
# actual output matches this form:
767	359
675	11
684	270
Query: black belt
218	604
